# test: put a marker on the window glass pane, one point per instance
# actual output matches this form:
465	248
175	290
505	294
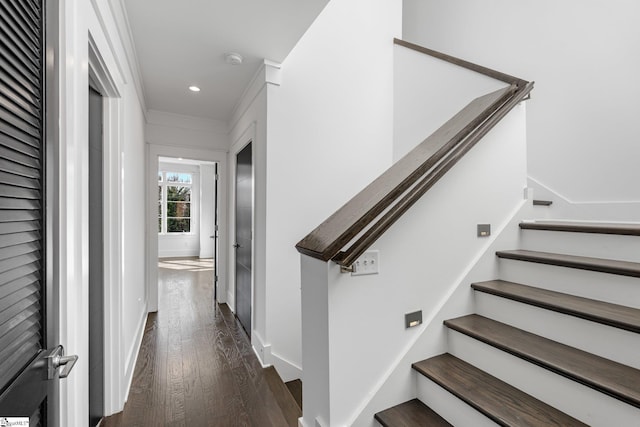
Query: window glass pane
178	225
178	194
159	176
182	178
178	210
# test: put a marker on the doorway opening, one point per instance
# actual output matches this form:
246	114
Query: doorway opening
187	217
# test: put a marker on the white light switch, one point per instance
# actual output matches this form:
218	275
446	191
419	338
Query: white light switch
368	263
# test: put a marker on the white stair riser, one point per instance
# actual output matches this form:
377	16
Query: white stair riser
581	402
609	246
613	288
605	341
448	406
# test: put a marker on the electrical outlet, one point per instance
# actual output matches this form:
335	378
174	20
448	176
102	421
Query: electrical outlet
368	263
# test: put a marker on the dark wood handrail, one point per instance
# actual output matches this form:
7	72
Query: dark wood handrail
362	220
462	63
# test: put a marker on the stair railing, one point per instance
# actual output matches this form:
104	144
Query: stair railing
352	229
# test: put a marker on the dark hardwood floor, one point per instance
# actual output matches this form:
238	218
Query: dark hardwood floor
196	366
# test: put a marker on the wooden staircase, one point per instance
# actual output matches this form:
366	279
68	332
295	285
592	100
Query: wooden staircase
554	342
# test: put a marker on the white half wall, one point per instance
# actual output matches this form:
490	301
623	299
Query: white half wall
423	258
581	128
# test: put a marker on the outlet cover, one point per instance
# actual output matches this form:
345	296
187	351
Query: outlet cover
368	263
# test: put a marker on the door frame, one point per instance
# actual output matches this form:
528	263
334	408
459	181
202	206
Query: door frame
154	152
115	387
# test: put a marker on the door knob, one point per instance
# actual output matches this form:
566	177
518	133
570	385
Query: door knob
57	359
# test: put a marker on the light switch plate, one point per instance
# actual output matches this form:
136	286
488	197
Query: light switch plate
368	263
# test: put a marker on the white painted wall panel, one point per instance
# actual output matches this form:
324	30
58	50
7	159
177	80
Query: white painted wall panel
582	131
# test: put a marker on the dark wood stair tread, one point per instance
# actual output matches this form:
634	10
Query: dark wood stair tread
287	403
413	413
583	227
615	315
537	202
501	402
624	268
615	379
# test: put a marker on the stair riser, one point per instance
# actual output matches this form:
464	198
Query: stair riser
581	402
623	248
613	288
609	342
448	406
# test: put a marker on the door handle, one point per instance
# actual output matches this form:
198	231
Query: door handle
57	359
236	245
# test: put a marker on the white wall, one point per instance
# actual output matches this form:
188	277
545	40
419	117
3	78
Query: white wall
330	131
582	134
80	22
427	93
171	129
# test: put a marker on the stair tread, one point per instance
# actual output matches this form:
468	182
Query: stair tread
583	227
413	413
615	379
501	402
287	403
624	268
537	202
619	316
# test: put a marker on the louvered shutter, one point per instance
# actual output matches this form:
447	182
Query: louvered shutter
21	185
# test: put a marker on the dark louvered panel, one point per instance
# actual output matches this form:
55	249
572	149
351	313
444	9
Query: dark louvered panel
10	241
18	227
21	188
19	146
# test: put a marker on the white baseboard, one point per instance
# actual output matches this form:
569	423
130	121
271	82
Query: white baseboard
132	357
178	254
286	369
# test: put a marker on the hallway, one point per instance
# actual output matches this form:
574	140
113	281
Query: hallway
196	366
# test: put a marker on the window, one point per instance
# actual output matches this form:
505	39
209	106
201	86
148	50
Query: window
174	202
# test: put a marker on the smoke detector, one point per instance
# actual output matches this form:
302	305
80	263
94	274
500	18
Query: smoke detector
233	58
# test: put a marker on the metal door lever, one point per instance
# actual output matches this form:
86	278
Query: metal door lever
57	359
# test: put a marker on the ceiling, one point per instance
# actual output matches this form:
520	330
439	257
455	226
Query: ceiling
180	43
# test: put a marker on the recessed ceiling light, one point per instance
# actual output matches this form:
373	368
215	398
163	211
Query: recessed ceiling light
194	88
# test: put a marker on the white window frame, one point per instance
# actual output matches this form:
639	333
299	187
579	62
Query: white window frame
175	168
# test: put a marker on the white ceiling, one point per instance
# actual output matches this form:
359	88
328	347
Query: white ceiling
180	43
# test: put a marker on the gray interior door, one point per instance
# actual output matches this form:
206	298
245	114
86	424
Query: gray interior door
29	354
216	234
244	226
96	257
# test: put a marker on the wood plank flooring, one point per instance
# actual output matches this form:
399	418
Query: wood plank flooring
196	366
